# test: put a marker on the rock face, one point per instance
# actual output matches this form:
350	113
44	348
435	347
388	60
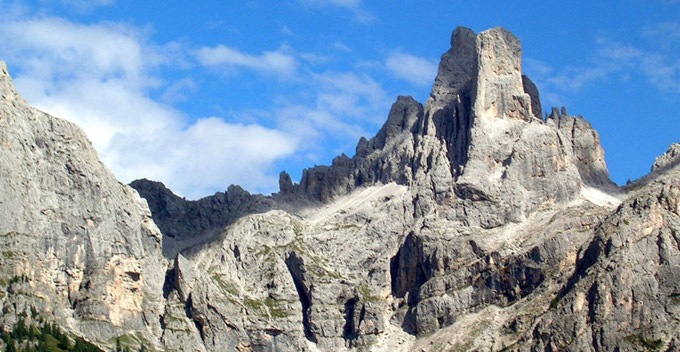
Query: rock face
668	160
476	140
83	244
185	223
466	223
623	294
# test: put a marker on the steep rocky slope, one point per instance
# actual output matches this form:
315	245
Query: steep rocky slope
469	222
83	244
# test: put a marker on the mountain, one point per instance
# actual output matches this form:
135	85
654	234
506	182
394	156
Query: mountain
77	245
471	222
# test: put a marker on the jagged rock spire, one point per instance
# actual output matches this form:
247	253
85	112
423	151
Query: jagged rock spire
488	66
479	138
7	91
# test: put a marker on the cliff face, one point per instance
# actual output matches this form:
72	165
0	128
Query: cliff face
84	244
476	145
466	223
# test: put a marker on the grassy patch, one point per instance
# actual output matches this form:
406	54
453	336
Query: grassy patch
131	342
43	337
225	285
268	307
366	294
555	301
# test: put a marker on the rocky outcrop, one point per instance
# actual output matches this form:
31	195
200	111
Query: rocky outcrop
668	160
624	292
584	142
477	145
83	244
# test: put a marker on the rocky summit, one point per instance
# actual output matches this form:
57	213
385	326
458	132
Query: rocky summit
472	222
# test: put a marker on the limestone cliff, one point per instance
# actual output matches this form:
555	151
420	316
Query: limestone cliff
84	244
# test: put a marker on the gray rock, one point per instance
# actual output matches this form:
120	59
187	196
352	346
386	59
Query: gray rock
530	88
623	293
467	223
185	223
85	243
668	159
586	148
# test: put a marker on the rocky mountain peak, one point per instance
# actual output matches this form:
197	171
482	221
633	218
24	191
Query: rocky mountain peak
669	159
479	137
7	91
84	241
486	66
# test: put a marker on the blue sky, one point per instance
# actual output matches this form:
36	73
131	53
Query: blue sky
233	92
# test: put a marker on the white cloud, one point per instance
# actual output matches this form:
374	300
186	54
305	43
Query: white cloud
356	7
664	34
285	30
178	91
78	6
270	62
87	4
416	70
662	72
340	46
100	76
337	107
654	60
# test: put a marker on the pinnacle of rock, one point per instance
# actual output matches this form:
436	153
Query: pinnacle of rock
479	136
7	91
669	159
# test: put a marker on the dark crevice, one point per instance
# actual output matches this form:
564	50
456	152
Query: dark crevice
237	253
169	283
188	311
295	267
350	330
133	275
408	269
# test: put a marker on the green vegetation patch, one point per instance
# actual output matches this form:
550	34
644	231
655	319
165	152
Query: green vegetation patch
268	307
225	285
43	338
130	343
366	294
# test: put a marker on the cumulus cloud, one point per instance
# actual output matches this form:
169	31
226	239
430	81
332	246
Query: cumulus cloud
269	62
337	106
122	89
416	70
100	76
